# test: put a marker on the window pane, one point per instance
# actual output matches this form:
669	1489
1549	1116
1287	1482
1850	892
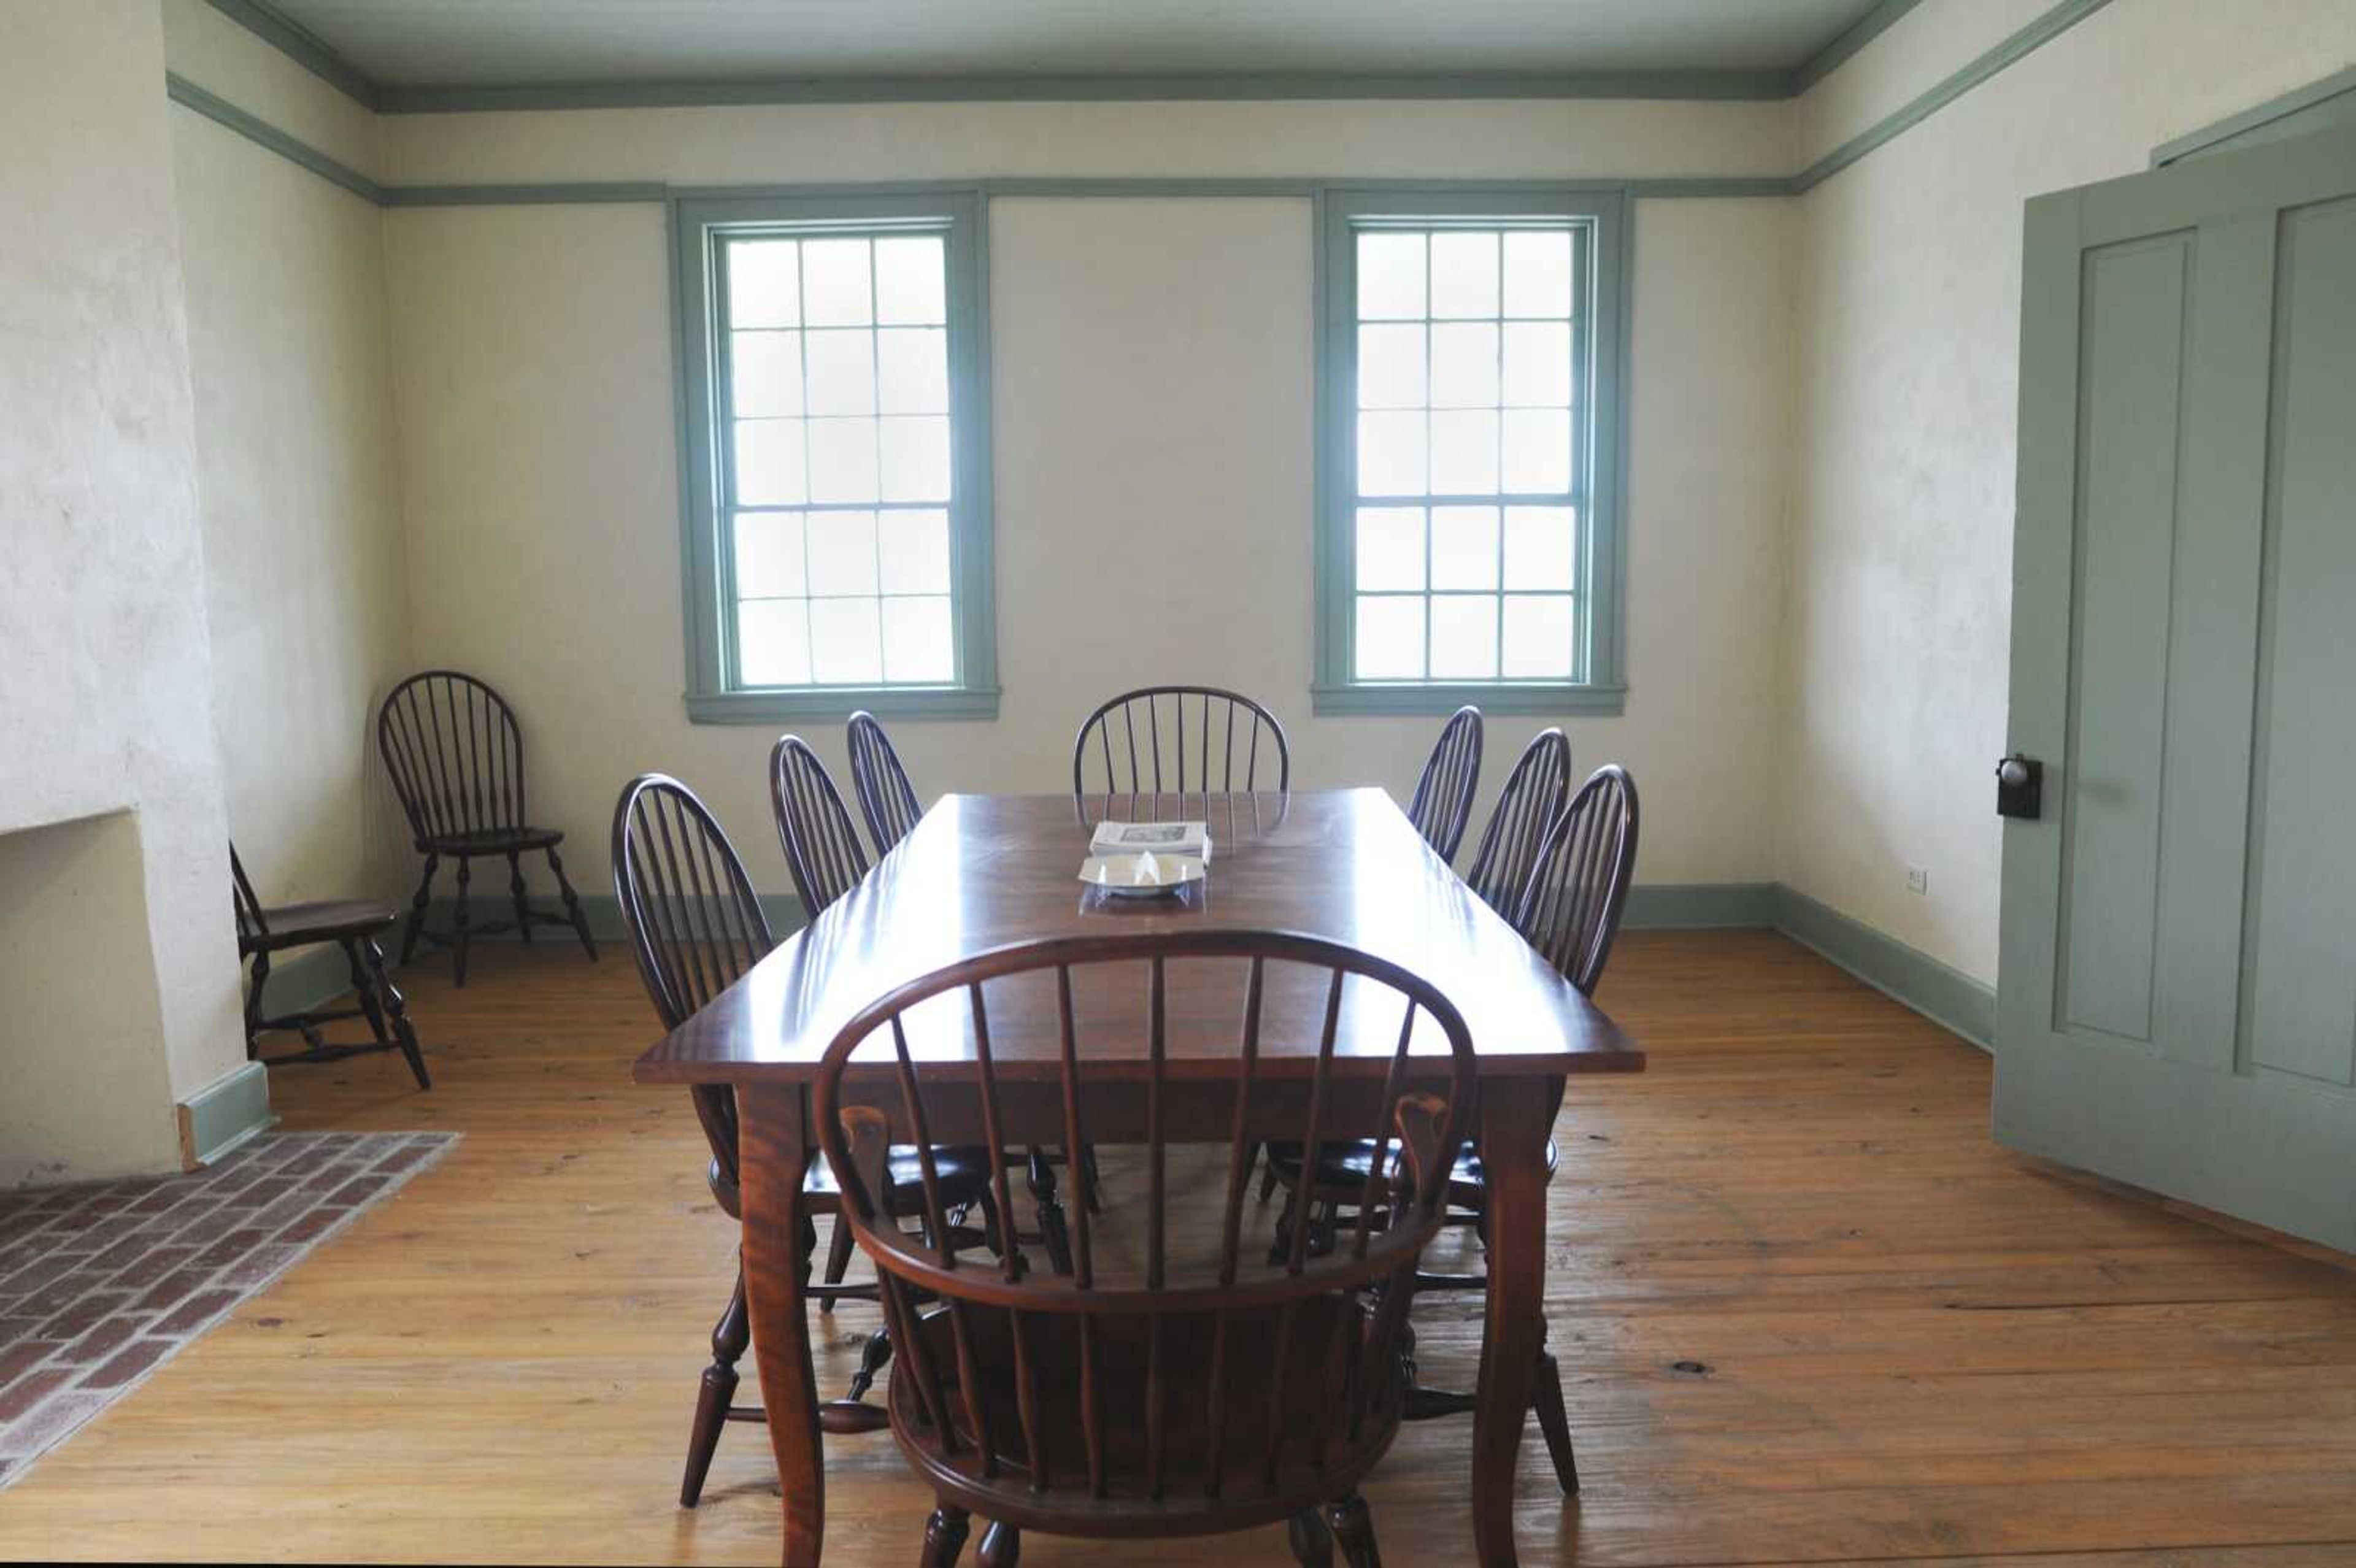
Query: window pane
1538	363
841	552
1537	451
1391	366
842	460
1537	636
1463	274
1390	637
846	642
769	462
766	373
1464	366
1465	638
917	642
834	283
841	372
769	555
1390	277
764	282
1538	273
1463	547
1390	549
1390	454
916	458
1464	453
1539	551
908	280
773	643
914	548
913	370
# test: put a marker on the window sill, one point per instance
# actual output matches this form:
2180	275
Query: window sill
841	702
1489	698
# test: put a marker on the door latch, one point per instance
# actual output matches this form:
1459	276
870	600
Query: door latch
2020	787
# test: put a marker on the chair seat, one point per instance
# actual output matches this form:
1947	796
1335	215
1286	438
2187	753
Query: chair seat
963	1172
1344	1165
322	920
490	840
1248	1493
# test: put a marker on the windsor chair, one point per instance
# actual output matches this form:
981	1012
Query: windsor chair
350	924
886	799
696	927
1532	797
1197	740
454	753
1194	1395
1442	806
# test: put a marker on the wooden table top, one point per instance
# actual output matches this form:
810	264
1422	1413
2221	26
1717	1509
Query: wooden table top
981	871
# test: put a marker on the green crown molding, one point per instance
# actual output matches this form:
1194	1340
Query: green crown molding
1846	42
305	48
222	112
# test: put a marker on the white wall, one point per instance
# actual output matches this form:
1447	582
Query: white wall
105	663
298	484
1152	369
1909	265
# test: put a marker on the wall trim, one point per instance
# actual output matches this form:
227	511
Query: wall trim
2063	15
1947	996
222	112
2311	107
1698	906
1850	40
2021	44
305	48
226	1114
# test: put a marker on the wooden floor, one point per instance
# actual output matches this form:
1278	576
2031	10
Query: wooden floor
1807	1312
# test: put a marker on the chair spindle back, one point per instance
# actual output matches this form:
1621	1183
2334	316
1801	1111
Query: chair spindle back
1185	740
1580	885
1442	807
454	753
1532	797
886	799
813	826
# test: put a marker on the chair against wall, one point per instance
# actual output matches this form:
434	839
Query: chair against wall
1155	1399
695	927
1532	797
456	756
1197	739
886	799
1442	806
352	924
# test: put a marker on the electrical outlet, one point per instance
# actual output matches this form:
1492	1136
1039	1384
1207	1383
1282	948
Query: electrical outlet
1918	880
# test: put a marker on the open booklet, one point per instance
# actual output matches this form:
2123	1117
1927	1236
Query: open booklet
1161	839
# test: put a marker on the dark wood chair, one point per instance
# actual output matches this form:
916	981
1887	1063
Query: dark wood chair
1184	739
886	799
456	756
352	924
1442	807
1145	1399
1532	797
695	927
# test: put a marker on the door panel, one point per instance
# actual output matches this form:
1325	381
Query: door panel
2132	321
2303	1012
2177	997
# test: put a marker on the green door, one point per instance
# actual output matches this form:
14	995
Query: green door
2177	996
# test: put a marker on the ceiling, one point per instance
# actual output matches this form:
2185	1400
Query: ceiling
450	43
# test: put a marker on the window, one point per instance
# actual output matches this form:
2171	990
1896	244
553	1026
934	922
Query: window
1468	545
836	456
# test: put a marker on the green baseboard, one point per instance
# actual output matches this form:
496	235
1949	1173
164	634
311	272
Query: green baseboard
230	1111
1698	906
1947	996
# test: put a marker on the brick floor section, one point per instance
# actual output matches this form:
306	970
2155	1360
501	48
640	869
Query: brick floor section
101	1285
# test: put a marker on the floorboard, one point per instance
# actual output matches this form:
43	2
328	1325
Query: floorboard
1807	1313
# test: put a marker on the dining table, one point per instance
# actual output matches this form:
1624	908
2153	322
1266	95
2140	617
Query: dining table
981	871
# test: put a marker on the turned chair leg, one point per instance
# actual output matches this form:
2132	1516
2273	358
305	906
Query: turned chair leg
516	895
1039	1177
945	1535
1002	1546
1354	1528
1311	1542
1094	1193
364	993
460	938
571	904
1546	1398
872	1357
253	1007
396	1009
730	1336
837	1258
409	933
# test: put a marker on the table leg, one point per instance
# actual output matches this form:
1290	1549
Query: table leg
1513	1151
773	1148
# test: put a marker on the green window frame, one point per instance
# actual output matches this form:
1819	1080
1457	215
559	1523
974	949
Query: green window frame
724	684
1592	679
